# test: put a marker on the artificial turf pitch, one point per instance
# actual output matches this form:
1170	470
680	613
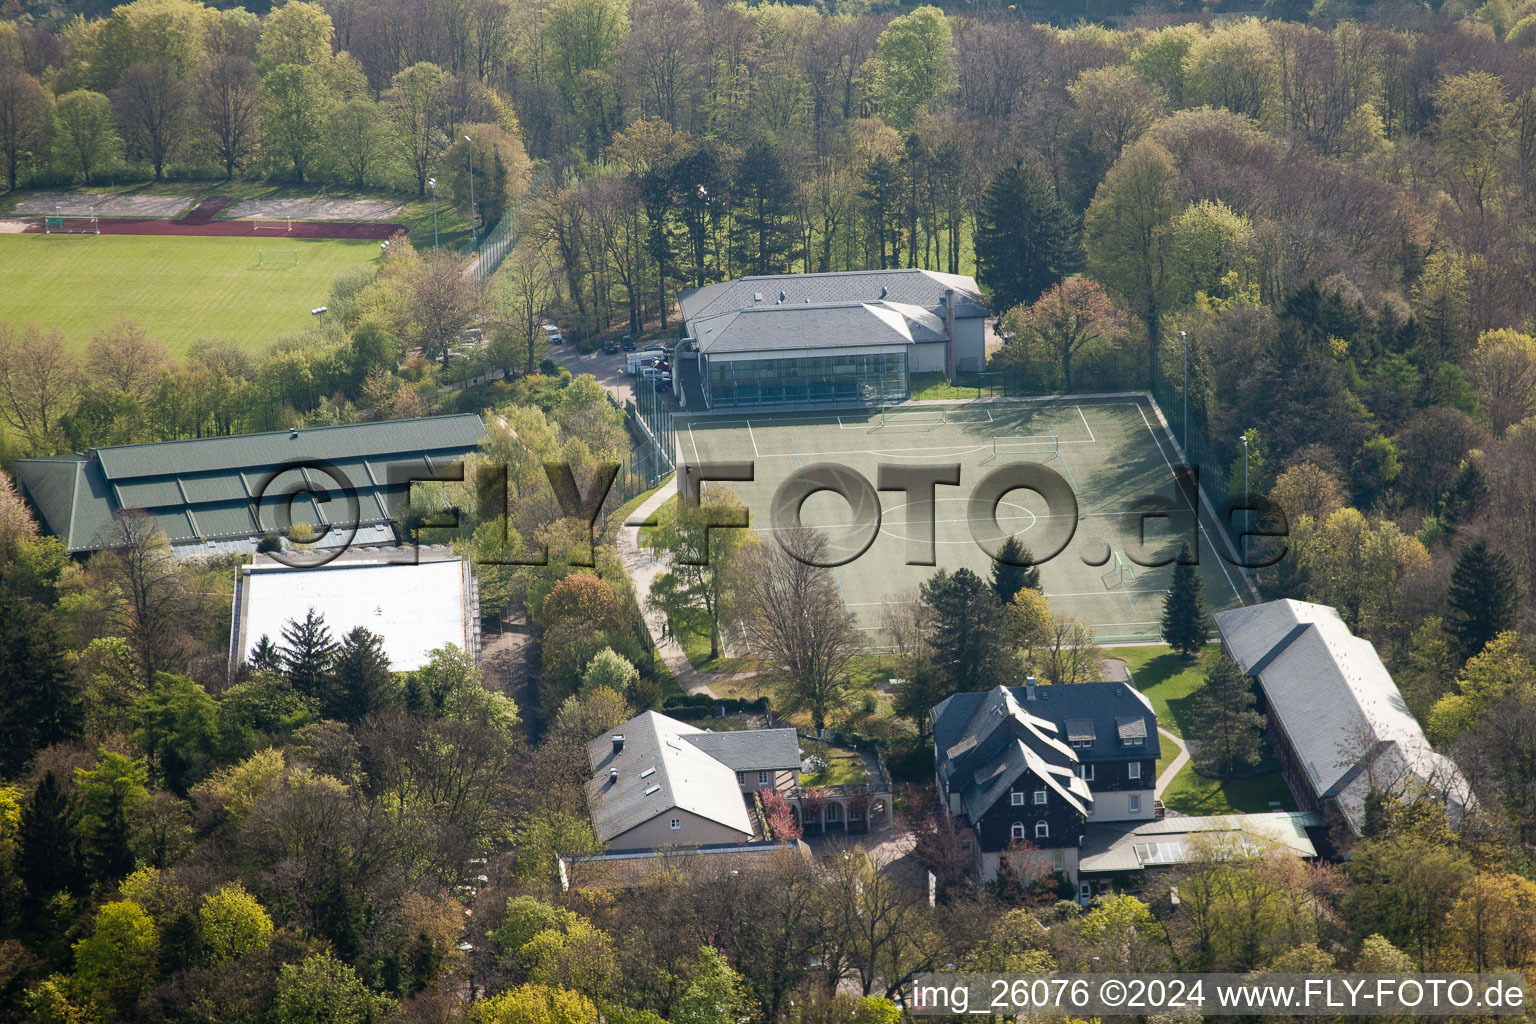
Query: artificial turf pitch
1113	452
178	288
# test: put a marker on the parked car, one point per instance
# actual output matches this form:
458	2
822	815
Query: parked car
628	343
663	382
552	335
651	373
610	348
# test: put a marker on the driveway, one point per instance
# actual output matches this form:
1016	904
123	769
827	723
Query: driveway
609	370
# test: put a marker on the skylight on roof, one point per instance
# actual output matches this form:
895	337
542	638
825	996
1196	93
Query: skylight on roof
648	773
653	789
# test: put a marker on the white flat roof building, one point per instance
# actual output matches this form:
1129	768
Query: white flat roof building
415	608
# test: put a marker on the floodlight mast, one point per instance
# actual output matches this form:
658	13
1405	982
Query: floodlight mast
474	239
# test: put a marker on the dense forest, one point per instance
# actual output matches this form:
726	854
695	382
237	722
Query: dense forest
1321	219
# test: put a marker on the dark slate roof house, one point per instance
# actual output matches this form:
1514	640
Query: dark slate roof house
1033	764
204	492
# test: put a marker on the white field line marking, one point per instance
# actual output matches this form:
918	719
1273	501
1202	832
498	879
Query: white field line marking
1085	423
695	442
753	438
1201	526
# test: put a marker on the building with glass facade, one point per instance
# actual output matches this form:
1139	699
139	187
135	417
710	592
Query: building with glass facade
829	338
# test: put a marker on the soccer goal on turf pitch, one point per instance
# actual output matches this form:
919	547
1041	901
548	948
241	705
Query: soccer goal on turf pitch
280	224
71	226
1038	446
280	257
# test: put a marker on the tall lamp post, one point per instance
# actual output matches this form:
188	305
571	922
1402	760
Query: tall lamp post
1247	513
1184	337
432	184
474	240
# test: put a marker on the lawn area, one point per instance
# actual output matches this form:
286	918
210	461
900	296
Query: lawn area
1170	681
180	289
844	767
927	387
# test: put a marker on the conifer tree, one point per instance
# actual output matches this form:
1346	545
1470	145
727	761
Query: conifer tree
1482	598
309	654
1184	621
1227	727
1026	241
1013	570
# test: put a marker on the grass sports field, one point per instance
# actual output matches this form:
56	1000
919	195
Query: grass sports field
1111	453
179	288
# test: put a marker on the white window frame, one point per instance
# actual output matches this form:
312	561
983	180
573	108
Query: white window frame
741	778
677	824
1134	806
1016	798
762	778
1134	771
1085	772
1018	831
1040	797
1042	830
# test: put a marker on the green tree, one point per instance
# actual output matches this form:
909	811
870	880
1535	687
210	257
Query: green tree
176	724
1501	669
324	990
117	961
1071	316
361	681
763	230
296	33
1013	570
1472	124
584	38
108	795
233	923
39	701
1185	625
714	994
536	1004
913	64
309	654
1230	731
415	104
294	107
966	631
696	589
24	122
357	140
1126	234
46	846
1025	239
1402	887
608	668
85	131
1483	598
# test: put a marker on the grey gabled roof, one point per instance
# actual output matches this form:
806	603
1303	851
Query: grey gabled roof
780	328
206	489
659	769
751	750
916	287
1337	704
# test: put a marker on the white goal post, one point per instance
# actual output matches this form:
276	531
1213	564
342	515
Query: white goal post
71	226
284	257
272	224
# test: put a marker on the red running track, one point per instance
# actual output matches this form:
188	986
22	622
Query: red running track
235	229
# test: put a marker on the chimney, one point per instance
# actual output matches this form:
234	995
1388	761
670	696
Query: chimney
613	776
618	742
782	297
1029	688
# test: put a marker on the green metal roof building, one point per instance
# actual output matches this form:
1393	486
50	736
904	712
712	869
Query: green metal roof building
221	494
